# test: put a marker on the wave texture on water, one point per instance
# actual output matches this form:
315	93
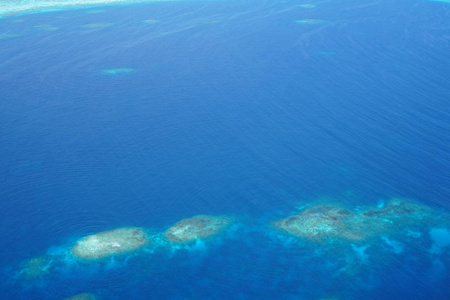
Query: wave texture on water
10	8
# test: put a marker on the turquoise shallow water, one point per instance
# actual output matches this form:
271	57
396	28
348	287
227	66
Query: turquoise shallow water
146	114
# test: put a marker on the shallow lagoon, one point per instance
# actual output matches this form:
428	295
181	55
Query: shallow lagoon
148	114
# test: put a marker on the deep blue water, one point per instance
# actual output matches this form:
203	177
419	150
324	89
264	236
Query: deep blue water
230	108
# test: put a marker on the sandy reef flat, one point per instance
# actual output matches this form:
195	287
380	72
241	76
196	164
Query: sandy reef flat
331	222
84	296
198	227
112	242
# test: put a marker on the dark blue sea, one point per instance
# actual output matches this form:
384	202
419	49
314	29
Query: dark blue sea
145	114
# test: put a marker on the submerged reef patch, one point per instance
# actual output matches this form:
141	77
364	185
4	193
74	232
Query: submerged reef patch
84	296
349	244
198	227
117	71
112	242
327	223
322	222
311	21
96	25
150	21
46	27
4	36
35	268
307	5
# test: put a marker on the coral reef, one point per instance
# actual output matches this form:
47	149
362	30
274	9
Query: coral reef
325	223
84	296
35	268
108	243
198	227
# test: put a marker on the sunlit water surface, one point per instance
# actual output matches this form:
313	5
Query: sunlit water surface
146	114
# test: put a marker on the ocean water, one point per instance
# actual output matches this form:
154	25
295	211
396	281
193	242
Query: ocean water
149	113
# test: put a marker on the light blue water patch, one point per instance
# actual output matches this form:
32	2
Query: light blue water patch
311	21
395	246
440	238
57	251
307	6
211	21
380	203
5	36
96	25
360	252
117	71
150	21
413	234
